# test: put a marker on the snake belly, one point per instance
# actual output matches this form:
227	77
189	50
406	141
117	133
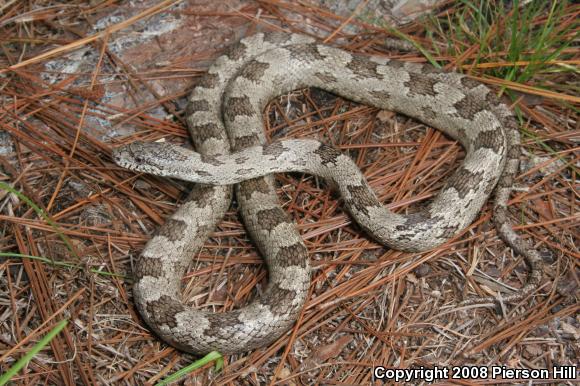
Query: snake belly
465	110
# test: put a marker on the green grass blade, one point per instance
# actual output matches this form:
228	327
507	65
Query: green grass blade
59	263
420	48
41	213
16	367
212	356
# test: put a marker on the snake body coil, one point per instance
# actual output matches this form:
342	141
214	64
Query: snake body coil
228	104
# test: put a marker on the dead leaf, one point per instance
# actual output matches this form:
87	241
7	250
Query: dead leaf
331	350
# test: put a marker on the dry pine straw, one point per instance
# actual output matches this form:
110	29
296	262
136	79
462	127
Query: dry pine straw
368	305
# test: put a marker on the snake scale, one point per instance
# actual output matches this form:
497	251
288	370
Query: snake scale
224	117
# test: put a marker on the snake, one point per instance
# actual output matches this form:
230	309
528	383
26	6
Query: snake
224	117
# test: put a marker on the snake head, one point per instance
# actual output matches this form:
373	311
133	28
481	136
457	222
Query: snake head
158	158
